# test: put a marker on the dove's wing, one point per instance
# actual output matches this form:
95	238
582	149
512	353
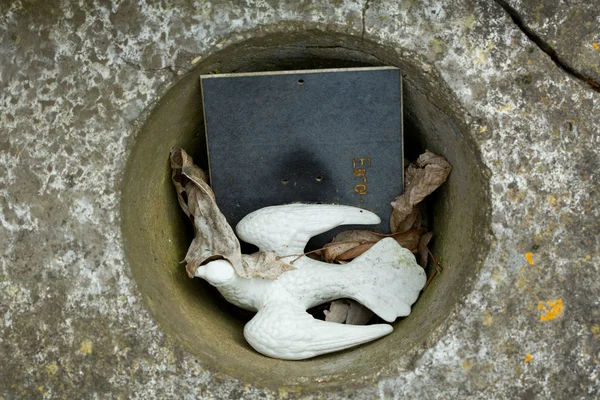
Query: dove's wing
286	331
286	229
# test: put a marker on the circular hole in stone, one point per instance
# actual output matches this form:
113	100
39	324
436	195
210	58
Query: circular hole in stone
319	179
285	181
157	235
300	81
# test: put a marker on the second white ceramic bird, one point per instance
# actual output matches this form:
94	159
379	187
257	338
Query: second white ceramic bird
386	279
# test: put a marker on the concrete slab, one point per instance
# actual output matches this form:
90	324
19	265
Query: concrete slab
76	83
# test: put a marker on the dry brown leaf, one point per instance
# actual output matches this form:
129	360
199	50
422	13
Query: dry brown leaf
421	179
355	251
410	239
412	220
338	311
357	235
332	250
351	244
264	264
214	238
423	253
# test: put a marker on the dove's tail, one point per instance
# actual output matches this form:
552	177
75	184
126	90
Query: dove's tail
388	279
286	331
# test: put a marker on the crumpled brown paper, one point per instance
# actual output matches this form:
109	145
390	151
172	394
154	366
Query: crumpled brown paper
214	237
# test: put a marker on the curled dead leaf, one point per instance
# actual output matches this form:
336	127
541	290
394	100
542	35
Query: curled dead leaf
412	220
213	236
423	252
355	251
348	245
409	239
264	264
421	179
331	251
357	235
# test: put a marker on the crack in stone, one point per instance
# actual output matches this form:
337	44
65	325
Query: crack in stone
364	14
545	46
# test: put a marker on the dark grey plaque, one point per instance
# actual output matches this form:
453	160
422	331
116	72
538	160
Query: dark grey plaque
329	136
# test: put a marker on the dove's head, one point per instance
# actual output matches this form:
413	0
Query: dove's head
216	272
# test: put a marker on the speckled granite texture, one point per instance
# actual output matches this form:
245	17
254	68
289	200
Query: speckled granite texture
568	30
75	81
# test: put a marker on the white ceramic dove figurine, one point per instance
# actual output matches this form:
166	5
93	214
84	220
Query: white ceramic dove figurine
386	279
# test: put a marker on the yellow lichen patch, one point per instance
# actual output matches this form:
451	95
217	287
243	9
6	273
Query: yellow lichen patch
596	331
86	347
596	47
555	200
528	358
482	57
550	310
488	320
515	195
52	368
436	45
529	257
467	364
470	22
498	275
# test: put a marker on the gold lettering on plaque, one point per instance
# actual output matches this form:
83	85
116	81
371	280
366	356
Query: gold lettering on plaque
360	173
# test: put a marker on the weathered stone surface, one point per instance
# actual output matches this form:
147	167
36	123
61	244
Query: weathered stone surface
569	29
75	82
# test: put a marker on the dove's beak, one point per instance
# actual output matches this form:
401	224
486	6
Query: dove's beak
216	272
